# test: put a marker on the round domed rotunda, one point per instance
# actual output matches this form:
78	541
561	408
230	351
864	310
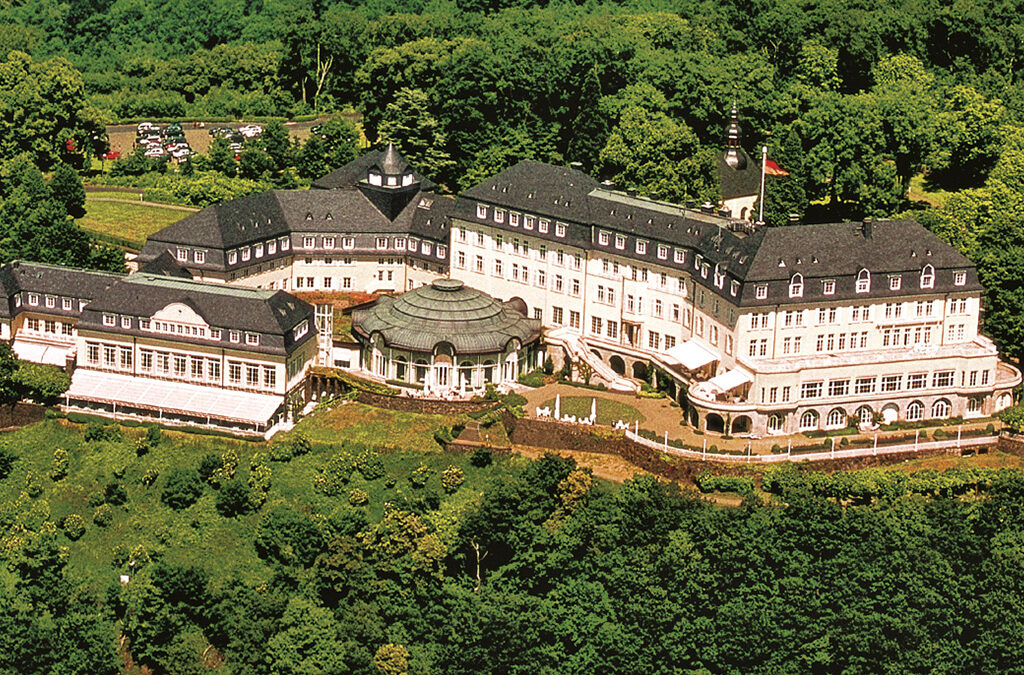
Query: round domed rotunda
446	337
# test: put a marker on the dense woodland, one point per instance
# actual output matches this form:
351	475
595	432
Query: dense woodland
306	558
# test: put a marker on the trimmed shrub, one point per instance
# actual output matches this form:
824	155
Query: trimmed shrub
330	480
73	526
114	494
98	431
60	464
182	488
233	499
150	477
358	497
452	479
103	515
208	465
420	476
534	378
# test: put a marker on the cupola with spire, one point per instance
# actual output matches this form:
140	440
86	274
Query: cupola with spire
390	182
734	156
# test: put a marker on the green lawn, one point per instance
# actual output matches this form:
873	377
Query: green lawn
130	222
608	411
373	426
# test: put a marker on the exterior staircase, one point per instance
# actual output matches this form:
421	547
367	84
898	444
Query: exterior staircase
578	351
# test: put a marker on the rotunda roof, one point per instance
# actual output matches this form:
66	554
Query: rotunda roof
445	311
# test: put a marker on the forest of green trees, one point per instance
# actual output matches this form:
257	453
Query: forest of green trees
302	558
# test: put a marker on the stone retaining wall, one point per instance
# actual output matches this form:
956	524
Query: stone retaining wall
423	405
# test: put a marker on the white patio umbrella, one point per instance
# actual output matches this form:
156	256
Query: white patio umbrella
558	406
593	410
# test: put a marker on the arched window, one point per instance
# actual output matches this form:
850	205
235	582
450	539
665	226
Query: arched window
973	405
836	419
865	416
796	286
928	277
941	409
863	281
775	423
809	420
915	411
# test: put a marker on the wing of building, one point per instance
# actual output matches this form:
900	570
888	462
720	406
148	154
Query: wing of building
769	330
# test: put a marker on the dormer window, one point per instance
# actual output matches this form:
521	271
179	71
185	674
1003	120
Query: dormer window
895	281
828	287
406	179
375	178
126	322
680	256
528	222
499	215
51	301
761	291
641	247
109	320
704	269
328	242
559	229
382	242
796	286
863	281
734	288
426	248
719	276
543	225
662	252
513	219
259	250
301	329
200	257
392	181
400	243
442	251
272	247
348	242
182	255
928	277
620	242
286	243
959	278
252	338
603	238
33	299
234	336
308	242
481	210
246	253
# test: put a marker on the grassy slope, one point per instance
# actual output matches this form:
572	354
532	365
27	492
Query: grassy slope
608	411
131	222
199	534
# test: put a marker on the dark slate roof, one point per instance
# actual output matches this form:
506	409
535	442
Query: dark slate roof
356	171
536	187
69	282
280	212
739	182
165	264
271	313
841	249
445	311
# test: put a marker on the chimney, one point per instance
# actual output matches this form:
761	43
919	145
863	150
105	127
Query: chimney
865	227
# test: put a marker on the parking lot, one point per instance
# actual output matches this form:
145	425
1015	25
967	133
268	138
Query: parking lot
122	136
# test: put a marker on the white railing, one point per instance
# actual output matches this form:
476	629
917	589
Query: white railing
845	453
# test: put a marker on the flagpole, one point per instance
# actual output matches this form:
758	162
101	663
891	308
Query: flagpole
764	168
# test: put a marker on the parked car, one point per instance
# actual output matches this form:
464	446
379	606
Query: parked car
174	129
113	154
144	128
251	130
221	131
155	152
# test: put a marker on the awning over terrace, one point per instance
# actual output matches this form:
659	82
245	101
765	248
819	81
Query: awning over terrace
173	397
40	353
730	379
691	355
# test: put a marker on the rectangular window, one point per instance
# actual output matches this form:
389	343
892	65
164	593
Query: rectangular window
348	242
917	380
864	385
942	378
543	226
613	329
481	210
259	251
810	390
346	282
679	256
596	325
499	215
891	382
654	340
109	355
109	320
246	253
895	281
33	299
498	270
232	257
620	242
252	375
180	365
828	287
286	243
603	238
662	252
269	377
182	255
234	372
641	247
838	388
556	316
559	229
574	319
272	247
959	278
65	304
382	242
